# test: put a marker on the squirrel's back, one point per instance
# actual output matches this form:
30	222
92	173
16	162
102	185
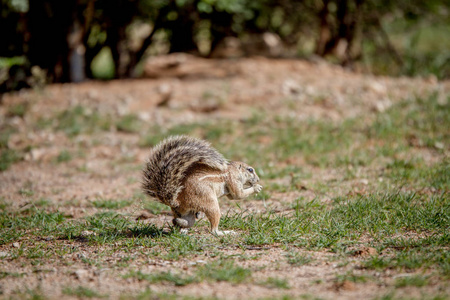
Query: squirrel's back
168	162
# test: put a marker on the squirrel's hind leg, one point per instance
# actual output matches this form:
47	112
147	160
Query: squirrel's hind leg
184	221
213	214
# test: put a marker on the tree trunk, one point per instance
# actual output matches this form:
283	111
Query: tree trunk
182	29
49	22
220	28
77	52
182	38
324	30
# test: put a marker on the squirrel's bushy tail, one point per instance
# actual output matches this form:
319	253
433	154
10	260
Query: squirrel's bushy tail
169	161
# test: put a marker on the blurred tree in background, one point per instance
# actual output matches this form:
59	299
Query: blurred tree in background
62	41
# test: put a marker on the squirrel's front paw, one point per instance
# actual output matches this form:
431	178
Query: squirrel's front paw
223	232
257	188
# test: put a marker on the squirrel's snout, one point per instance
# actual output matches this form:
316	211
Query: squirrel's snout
253	180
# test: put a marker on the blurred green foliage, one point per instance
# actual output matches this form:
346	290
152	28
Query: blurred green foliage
81	39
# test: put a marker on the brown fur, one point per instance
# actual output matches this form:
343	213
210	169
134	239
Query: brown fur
190	176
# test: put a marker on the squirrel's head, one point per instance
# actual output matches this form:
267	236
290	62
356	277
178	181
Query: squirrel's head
248	173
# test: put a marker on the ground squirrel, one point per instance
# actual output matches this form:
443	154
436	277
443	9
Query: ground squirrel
189	175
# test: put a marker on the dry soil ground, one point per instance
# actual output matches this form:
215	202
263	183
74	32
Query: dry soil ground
71	168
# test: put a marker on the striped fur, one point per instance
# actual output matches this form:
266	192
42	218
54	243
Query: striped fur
168	162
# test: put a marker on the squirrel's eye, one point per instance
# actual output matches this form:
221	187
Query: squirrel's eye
250	170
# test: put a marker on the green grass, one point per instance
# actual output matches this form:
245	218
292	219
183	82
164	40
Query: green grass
76	120
64	156
420	123
129	123
411	280
5	133
154	207
224	270
15	225
4	274
414	259
315	225
218	270
109	227
176	279
7	158
80	120
150	295
34	294
387	219
82	292
311	225
38	251
42	202
350	276
111	203
177	245
298	259
17	110
273	282
393	296
3	204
